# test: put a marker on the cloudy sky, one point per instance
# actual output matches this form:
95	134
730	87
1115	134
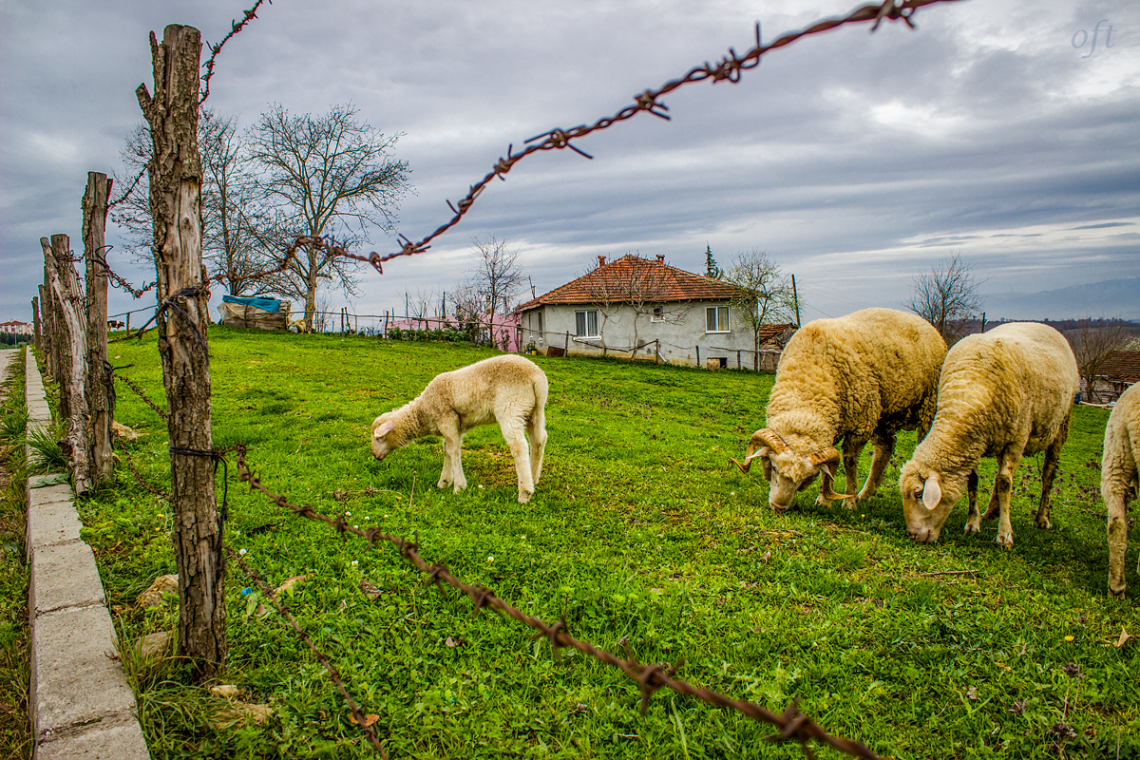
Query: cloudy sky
1008	133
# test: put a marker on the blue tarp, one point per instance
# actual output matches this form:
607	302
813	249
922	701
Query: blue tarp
271	305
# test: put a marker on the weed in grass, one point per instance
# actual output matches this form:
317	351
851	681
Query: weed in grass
46	454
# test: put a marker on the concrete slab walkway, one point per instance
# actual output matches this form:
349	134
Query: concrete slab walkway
80	704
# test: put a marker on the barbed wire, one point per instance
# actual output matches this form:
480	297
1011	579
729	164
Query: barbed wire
235	27
357	714
730	69
793	724
141	393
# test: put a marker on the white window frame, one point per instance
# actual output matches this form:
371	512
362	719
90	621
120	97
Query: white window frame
658	314
587	313
715	313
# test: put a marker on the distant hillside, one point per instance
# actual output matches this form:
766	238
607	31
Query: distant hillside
1112	298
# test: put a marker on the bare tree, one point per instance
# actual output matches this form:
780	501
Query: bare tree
633	286
1092	341
234	223
329	174
946	297
765	295
491	288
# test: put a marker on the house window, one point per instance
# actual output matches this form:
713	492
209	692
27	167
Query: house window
716	319
658	314
586	324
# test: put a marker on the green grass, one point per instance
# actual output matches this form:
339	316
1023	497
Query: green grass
640	529
15	733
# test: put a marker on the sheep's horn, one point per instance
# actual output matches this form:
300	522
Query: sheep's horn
826	491
821	457
749	456
771	438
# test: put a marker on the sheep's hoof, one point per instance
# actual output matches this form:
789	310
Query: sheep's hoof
524	497
459	487
1043	523
443	484
1005	541
972	527
822	502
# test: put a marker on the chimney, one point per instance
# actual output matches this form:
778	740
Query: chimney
601	261
660	258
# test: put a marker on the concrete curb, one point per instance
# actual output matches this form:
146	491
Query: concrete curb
80	703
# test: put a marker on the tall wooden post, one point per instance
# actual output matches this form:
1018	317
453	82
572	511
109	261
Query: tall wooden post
36	323
73	367
100	396
796	300
59	344
175	173
47	327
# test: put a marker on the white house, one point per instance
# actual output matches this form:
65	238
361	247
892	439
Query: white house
641	308
16	328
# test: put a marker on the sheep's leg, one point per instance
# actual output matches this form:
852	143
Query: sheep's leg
974	520
1049	470
851	452
452	456
1117	537
536	432
513	434
1003	489
884	447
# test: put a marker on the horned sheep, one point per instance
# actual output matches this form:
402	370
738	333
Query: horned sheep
1119	472
506	389
1005	394
857	378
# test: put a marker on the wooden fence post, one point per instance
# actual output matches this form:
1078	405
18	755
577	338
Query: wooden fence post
100	396
175	173
59	358
45	316
73	369
36	323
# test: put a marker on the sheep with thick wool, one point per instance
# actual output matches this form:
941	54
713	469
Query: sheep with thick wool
858	378
509	390
1120	470
1005	394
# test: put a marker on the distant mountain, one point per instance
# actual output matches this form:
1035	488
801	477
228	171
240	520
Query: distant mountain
1112	298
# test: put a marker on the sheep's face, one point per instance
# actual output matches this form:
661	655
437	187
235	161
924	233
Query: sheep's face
928	497
787	473
382	441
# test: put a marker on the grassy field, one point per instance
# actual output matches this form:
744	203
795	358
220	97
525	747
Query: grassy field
640	529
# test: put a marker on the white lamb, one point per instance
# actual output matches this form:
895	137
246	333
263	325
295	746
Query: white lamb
1118	473
862	377
1005	394
506	389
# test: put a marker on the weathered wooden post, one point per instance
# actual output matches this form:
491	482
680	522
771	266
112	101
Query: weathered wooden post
73	368
59	344
46	326
175	172
36	323
100	396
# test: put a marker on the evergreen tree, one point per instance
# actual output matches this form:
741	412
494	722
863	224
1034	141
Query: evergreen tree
711	269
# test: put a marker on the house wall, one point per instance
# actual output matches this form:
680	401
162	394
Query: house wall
681	334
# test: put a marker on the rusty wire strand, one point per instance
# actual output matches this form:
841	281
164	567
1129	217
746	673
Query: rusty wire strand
235	27
730	69
793	725
139	477
131	189
334	674
142	394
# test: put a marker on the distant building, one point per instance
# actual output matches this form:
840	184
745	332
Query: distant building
1119	371
16	327
640	308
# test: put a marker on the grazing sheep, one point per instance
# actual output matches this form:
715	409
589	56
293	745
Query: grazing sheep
1117	475
1005	394
507	389
861	377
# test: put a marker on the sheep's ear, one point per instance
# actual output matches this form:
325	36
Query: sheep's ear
761	453
383	430
932	492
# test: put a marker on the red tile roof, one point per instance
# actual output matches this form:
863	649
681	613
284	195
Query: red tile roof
650	281
1122	366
